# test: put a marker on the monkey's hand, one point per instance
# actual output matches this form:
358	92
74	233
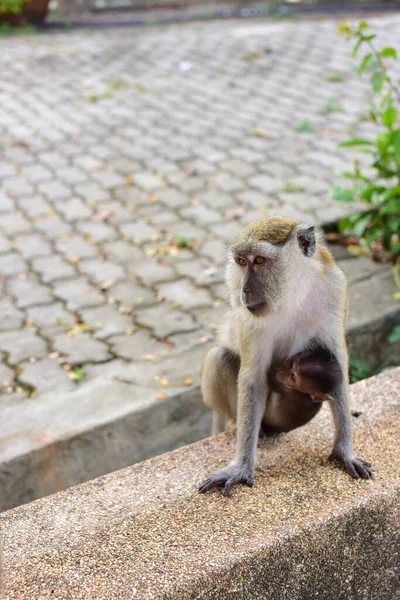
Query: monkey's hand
357	467
228	477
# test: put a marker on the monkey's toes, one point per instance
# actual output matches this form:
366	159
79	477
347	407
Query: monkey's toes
355	466
229	477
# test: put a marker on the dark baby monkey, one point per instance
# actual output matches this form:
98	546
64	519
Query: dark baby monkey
314	372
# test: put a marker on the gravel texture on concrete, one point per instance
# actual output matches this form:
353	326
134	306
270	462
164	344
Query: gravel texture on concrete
305	530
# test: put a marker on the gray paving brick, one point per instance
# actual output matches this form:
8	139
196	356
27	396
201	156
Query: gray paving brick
53	226
51	317
45	376
139	231
32	245
81	348
201	214
28	292
12	264
10	316
131	294
98	231
53	190
99	271
164	321
136	346
17	187
34	206
13	223
150	272
185	293
22	345
111	320
78	293
74	209
6	376
6	203
75	247
52	268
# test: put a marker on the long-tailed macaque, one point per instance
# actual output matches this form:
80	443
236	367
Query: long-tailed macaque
287	295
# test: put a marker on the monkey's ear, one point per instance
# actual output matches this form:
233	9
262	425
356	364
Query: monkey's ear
320	397
306	239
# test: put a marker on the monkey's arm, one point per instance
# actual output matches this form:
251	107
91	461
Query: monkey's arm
252	392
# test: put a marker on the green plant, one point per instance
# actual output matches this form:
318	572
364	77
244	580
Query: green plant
305	127
380	222
11	6
331	106
358	369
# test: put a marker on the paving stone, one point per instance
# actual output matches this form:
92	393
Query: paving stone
37	173
172	198
100	271
201	214
28	292
72	174
52	268
227	231
13	223
53	190
74	209
34	206
98	231
123	252
5	244
92	192
6	203
51	317
148	182
152	272
22	345
78	293
266	184
164	321
131	294
45	376
81	348
6	375
17	187
110	319
108	179
10	316
53	226
185	293
12	264
75	246
139	231
215	199
32	245
135	346
215	250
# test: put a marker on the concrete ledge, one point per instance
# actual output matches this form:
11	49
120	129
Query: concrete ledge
305	530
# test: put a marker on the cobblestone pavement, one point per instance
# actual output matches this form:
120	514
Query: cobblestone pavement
128	158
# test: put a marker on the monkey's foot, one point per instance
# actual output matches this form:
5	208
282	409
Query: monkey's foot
357	467
228	477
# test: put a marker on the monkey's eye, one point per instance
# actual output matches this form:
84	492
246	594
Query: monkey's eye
259	260
240	261
294	377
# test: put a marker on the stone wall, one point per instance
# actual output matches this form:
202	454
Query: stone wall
305	530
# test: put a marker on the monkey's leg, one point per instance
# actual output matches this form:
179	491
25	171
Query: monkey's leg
252	393
343	445
219	386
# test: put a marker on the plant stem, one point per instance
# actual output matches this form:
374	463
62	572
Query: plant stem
384	69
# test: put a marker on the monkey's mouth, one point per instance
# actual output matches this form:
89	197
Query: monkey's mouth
258	309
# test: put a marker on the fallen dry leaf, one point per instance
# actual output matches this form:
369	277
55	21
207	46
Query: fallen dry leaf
105	214
236	213
129	181
264	133
83	328
164	382
20	142
149	357
189	381
161	396
107	283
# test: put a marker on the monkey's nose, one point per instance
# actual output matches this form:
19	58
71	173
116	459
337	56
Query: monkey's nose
247	290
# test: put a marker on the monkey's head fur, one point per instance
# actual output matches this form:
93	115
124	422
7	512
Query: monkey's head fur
273	262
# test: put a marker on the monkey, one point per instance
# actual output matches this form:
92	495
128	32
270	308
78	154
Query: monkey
287	294
314	372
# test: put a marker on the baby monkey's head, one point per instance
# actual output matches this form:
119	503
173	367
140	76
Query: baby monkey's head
314	372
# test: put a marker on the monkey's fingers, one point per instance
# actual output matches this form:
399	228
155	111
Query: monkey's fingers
232	481
356	467
212	482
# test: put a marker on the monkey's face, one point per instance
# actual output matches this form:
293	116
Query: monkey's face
289	374
269	265
256	278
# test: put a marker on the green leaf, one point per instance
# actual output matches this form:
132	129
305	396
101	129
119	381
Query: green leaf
392	207
364	63
355	142
396	141
356	48
394	335
363	25
369	191
377	80
361	224
368	38
305	127
358	369
389	53
389	117
341	194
